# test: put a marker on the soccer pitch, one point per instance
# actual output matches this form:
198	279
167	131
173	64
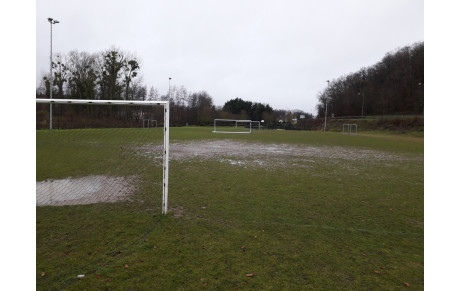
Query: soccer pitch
275	210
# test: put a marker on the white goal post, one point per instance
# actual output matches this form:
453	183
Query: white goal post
165	151
231	123
350	128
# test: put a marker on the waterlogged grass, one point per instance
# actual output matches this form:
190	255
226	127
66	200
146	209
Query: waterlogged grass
81	152
386	142
336	224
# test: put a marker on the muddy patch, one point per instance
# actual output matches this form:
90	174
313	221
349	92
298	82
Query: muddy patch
177	211
256	154
85	190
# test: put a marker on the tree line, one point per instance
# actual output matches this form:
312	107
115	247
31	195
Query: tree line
112	75
116	75
392	86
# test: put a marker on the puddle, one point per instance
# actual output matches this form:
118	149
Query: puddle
96	189
245	153
85	190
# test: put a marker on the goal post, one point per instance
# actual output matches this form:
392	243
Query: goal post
115	113
232	126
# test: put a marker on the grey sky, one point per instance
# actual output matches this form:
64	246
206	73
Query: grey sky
276	52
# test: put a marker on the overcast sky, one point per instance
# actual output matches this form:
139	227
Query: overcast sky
276	52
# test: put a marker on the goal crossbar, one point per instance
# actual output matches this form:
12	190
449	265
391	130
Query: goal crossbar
101	102
165	104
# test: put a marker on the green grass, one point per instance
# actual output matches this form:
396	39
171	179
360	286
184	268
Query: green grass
327	226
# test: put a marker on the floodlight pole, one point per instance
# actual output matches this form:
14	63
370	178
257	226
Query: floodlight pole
325	114
51	21
169	90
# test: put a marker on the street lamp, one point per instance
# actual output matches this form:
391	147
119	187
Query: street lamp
325	114
169	90
51	21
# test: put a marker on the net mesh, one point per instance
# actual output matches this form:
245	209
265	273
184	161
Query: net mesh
99	176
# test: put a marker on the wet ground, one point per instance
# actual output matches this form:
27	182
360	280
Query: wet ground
95	189
85	190
240	153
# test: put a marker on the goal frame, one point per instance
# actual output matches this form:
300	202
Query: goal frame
165	105
148	123
350	127
236	125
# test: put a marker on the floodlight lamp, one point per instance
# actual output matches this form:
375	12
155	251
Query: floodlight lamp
50	19
55	21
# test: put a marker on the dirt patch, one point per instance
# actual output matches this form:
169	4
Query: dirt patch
85	190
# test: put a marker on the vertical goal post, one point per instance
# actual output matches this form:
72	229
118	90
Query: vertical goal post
165	151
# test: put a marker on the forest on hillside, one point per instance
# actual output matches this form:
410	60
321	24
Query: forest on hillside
392	86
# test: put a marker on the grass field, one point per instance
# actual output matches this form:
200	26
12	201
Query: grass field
271	210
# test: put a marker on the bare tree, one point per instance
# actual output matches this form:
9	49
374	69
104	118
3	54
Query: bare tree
114	60
82	75
130	70
153	94
61	74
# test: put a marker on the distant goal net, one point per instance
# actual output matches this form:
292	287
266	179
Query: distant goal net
232	126
148	123
348	128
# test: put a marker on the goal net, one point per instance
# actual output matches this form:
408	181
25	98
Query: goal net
100	177
232	126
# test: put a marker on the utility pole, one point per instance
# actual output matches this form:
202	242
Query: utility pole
51	21
169	90
325	114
